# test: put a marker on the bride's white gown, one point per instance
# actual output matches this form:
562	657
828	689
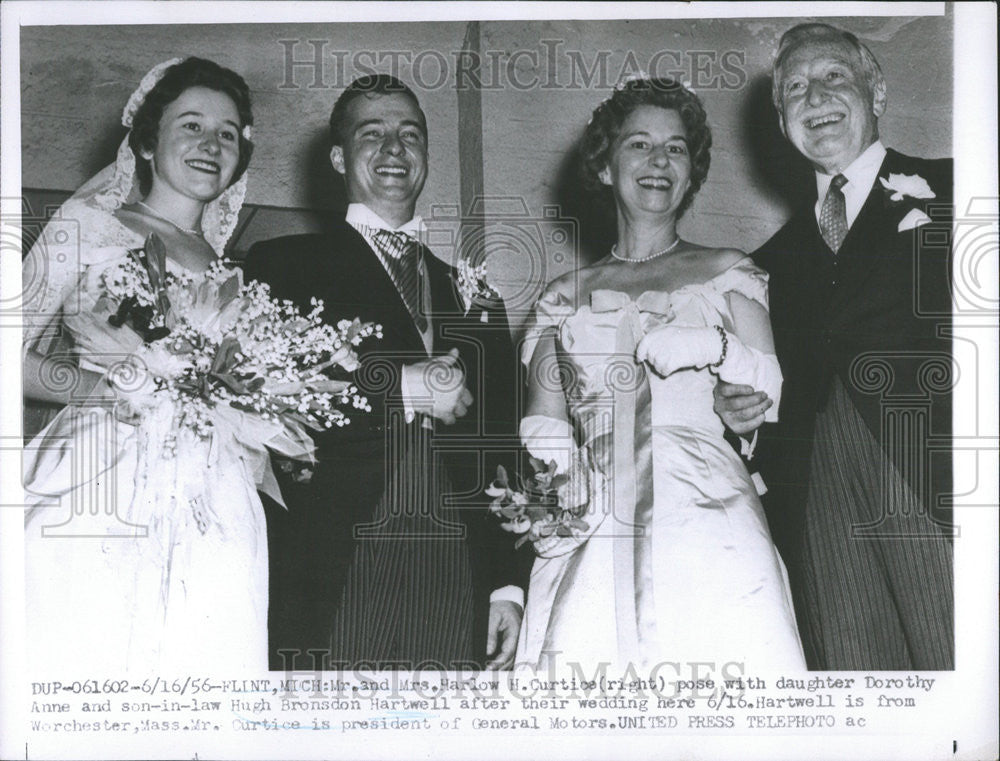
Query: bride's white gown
135	561
703	583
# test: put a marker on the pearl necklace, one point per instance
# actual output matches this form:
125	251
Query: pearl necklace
157	214
667	250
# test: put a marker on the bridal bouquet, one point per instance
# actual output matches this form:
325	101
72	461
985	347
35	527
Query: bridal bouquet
546	506
222	354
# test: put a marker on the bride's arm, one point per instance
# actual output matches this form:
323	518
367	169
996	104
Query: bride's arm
545	429
759	367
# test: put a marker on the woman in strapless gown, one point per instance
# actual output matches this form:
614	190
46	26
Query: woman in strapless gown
677	567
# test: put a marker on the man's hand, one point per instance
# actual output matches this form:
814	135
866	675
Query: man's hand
436	387
502	632
740	407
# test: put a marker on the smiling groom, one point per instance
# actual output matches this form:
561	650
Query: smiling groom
859	466
373	566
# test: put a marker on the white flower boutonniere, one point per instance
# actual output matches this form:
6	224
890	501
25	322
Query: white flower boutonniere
474	289
906	186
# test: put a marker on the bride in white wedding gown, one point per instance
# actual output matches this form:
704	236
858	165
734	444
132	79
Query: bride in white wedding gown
677	566
137	560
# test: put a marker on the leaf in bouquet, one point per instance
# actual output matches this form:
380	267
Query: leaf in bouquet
579	524
326	385
228	291
286	388
255	384
539	466
501	475
225	357
156	267
288	412
564	530
558	480
232	382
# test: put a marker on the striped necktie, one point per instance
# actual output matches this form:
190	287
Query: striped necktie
833	215
401	254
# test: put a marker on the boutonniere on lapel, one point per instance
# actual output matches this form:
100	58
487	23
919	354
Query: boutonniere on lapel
899	188
475	291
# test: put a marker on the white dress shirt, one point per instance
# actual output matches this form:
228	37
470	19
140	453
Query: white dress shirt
860	176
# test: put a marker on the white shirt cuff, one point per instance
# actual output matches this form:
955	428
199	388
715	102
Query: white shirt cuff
509	593
404	391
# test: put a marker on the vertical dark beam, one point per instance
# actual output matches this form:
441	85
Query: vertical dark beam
470	148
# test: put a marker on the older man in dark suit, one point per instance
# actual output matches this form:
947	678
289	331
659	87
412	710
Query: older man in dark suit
373	566
858	467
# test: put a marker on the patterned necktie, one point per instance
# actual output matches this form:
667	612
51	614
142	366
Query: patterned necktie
402	257
833	215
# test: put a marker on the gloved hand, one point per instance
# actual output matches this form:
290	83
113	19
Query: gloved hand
548	438
671	348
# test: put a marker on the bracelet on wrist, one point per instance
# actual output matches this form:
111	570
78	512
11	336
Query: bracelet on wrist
725	346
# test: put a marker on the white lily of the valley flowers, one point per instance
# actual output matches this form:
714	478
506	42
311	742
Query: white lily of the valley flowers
907	186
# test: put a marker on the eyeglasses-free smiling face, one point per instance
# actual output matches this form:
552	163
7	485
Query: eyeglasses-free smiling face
649	168
829	111
197	146
384	155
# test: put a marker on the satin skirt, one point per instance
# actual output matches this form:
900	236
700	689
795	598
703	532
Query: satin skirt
713	589
136	563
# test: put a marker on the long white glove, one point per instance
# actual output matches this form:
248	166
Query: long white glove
671	348
548	438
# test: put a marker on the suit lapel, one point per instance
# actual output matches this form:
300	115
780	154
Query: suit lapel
371	285
870	238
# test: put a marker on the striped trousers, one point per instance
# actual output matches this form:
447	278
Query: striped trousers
408	598
876	594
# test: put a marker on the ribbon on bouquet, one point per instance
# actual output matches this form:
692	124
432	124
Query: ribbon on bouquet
633	475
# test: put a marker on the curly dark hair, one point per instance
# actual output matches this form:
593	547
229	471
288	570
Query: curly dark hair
606	123
191	72
369	86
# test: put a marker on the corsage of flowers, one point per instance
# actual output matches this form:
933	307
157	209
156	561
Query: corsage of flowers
903	186
548	505
474	289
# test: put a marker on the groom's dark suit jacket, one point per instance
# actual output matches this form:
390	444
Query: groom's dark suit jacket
876	315
312	545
